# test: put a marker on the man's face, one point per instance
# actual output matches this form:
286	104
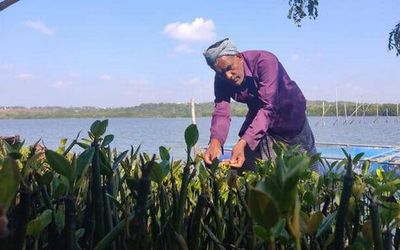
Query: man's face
231	68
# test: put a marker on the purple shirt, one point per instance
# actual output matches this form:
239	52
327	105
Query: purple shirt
275	102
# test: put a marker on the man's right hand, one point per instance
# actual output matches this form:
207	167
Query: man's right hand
213	151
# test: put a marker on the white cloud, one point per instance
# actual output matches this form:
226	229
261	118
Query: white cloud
60	84
183	48
40	27
105	77
198	30
25	76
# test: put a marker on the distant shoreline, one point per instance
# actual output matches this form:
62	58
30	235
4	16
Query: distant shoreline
182	110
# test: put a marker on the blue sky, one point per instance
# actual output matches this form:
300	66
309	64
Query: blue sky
123	53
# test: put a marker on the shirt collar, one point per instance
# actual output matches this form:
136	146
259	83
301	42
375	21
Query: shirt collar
247	71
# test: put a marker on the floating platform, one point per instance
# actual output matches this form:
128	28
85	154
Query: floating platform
385	156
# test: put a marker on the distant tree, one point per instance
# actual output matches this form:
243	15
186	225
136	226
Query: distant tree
299	9
4	4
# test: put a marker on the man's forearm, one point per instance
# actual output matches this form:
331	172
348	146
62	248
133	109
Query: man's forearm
241	143
215	143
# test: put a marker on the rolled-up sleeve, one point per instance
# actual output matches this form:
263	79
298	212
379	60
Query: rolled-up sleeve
221	117
268	94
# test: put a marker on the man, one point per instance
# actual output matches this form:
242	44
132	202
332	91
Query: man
275	102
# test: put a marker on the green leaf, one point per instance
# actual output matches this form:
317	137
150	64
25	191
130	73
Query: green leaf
79	233
34	162
365	167
296	167
61	188
263	208
203	173
59	164
12	150
107	140
59	219
390	186
98	128
15	155
156	173
270	186
214	165
262	232
116	202
46	178
326	224
164	153
191	135
390	211
345	153
9	182
37	225
357	158
105	169
309	198
83	162
159	171
119	159
132	183
83	145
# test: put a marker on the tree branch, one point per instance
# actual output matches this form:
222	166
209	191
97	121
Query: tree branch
4	4
299	9
394	39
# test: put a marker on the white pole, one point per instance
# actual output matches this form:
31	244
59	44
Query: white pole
196	149
337	108
387	115
193	111
363	108
345	112
356	107
377	112
323	113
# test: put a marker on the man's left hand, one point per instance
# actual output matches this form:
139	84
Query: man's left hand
237	157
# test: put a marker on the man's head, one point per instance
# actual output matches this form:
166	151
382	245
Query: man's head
224	58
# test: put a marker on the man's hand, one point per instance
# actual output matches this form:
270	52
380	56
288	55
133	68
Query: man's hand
237	157
213	151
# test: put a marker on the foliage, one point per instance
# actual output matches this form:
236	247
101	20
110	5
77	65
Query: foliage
299	9
394	39
6	3
171	110
102	199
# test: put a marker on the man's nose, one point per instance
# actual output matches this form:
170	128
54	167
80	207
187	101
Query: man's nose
229	75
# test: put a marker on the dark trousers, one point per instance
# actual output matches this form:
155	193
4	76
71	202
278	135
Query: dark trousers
305	139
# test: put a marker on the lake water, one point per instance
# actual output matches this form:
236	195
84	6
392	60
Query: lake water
169	132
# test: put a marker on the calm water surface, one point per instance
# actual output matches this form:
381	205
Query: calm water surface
151	133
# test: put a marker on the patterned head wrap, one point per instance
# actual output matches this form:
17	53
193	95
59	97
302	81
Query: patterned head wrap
224	47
